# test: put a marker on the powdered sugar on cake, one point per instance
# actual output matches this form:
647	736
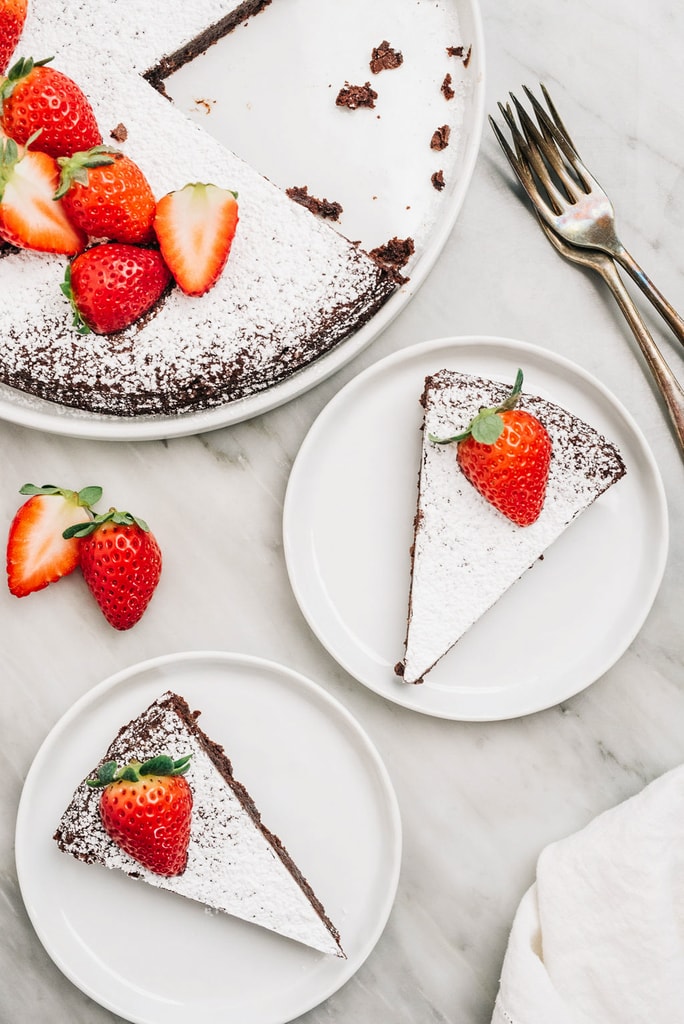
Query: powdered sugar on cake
293	288
232	866
466	553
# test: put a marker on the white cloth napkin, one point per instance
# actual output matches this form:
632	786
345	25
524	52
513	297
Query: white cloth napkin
599	936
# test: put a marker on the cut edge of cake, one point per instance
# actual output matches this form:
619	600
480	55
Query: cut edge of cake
465	553
230	847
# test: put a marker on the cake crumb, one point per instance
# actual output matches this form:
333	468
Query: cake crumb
393	255
385	58
437	180
120	133
446	88
354	96
320	207
440	138
461	53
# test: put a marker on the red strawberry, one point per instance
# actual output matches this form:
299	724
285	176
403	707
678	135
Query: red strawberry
147	809
29	216
121	564
506	453
111	285
37	553
107	195
195	227
12	18
35	98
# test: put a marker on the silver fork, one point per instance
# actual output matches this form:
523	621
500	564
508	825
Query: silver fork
570	200
668	384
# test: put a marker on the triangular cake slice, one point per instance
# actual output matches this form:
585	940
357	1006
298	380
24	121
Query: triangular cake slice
466	554
235	864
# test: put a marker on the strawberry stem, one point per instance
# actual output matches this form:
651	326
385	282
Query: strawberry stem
112	516
487	425
160	764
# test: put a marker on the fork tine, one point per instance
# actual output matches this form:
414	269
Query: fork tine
543	153
519	162
543	158
557	118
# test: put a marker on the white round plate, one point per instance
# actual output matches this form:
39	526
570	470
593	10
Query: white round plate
319	784
266	91
348	528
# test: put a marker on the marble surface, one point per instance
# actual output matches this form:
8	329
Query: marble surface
478	801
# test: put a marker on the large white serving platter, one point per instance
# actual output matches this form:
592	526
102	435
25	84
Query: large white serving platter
348	529
267	91
156	958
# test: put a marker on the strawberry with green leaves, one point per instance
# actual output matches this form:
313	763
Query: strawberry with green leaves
29	216
12	18
37	551
35	98
112	285
505	452
195	227
121	563
106	195
146	809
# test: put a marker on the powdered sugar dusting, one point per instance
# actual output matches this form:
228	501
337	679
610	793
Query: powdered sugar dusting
467	554
232	865
292	289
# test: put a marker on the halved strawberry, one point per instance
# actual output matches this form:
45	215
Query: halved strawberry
37	553
111	285
12	18
29	216
35	98
195	227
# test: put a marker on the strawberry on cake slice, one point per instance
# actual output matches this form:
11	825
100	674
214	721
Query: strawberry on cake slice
164	807
502	474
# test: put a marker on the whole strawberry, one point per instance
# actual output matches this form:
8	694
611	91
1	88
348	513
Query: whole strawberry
12	18
506	453
36	98
146	809
37	552
121	563
112	285
29	217
106	195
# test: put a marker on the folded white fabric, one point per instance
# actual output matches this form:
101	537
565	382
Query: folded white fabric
599	937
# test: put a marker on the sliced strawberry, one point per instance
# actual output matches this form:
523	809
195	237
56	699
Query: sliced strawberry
37	553
29	216
12	18
195	227
111	285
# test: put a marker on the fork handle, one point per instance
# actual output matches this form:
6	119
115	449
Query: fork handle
666	310
668	384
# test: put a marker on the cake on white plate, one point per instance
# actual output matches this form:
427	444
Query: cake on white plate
466	553
293	287
234	863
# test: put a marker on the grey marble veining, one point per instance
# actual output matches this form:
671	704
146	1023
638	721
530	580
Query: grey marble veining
478	801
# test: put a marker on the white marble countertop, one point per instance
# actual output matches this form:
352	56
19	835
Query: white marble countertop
478	801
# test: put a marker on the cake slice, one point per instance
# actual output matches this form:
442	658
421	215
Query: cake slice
234	863
466	554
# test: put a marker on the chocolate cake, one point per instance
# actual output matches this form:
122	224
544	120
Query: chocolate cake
466	554
235	864
293	287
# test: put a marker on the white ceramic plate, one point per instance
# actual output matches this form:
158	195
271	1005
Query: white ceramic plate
319	784
348	527
265	91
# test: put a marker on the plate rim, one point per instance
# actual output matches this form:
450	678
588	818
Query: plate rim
347	967
62	420
493	343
